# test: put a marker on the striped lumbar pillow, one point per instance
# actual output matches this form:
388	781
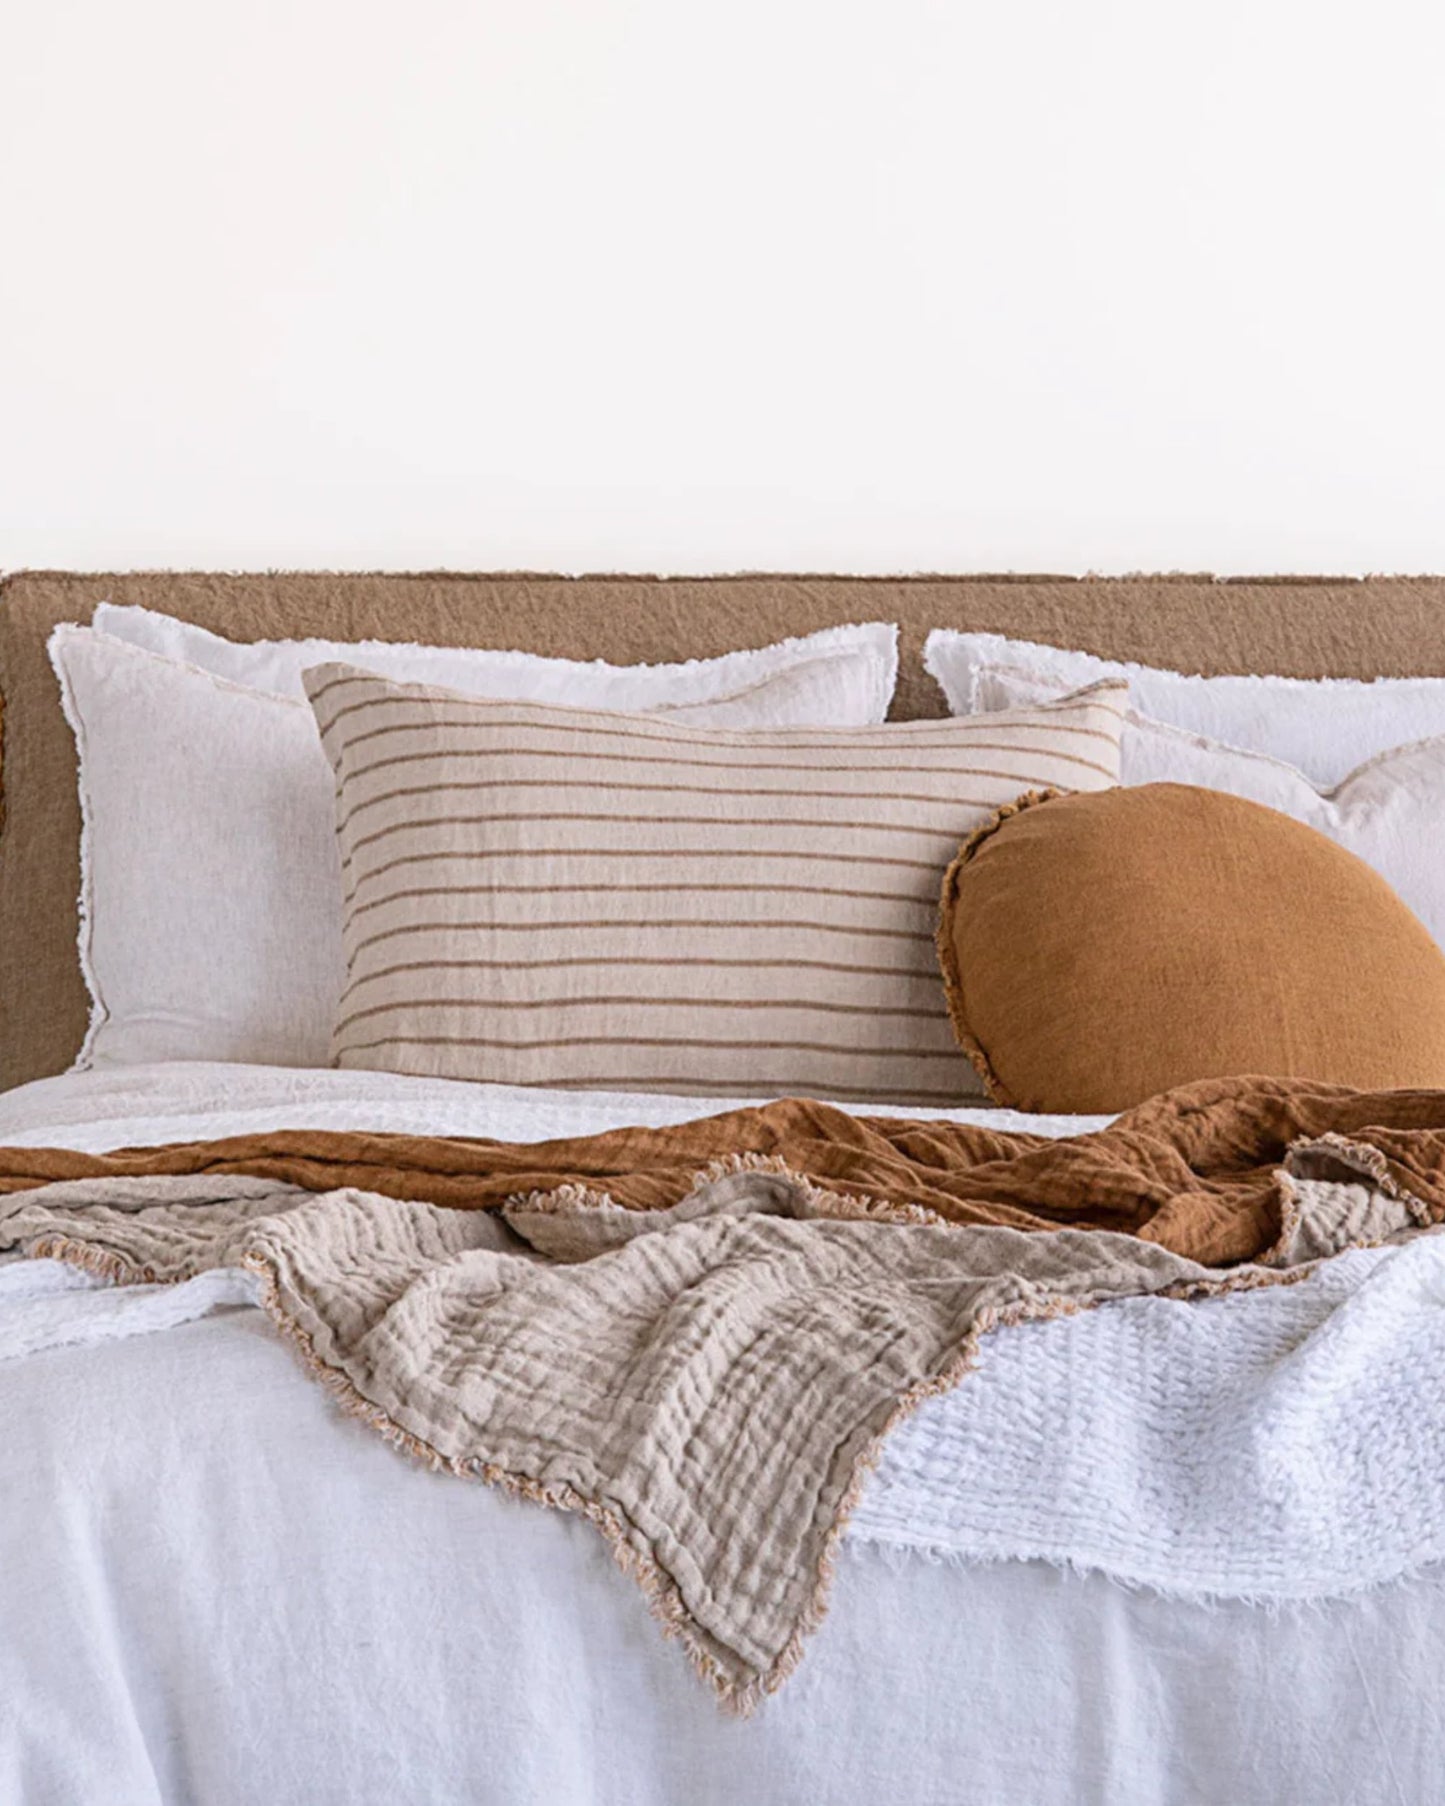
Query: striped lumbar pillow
552	896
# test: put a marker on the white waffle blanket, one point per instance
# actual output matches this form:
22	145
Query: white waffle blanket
1283	1444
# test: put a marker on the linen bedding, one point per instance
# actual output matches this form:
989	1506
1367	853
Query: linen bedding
243	1595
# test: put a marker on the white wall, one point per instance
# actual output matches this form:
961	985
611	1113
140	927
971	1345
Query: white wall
707	284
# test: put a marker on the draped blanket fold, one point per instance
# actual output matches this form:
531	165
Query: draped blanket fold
698	1336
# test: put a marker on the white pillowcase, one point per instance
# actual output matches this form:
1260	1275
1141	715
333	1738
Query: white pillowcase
210	882
1387	811
863	676
1325	727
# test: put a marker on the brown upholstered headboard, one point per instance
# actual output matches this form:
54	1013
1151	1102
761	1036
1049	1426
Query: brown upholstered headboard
1305	627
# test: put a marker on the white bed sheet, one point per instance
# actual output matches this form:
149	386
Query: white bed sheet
171	1102
215	1588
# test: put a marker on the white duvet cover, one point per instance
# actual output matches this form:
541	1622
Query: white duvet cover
214	1588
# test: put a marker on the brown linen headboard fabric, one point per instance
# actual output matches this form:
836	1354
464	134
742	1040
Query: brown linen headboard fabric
1301	627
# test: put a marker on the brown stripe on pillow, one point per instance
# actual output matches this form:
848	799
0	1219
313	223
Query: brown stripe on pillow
571	898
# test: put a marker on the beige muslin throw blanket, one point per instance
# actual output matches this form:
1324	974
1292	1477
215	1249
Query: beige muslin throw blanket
708	1381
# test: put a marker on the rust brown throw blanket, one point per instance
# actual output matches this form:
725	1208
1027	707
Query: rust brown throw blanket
698	1336
1194	1170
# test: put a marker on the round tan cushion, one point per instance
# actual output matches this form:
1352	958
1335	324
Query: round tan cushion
1099	949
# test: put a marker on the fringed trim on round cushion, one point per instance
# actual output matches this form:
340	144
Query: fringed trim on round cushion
948	952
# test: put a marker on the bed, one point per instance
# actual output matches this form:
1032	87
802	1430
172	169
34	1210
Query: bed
219	1587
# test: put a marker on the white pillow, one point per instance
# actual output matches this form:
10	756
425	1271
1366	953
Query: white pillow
1387	811
1325	726
864	674
210	884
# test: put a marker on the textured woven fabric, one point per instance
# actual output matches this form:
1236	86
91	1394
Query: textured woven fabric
709	1383
553	896
1284	1445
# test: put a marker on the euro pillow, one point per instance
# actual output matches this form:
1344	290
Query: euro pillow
1099	949
1387	810
565	897
210	892
861	663
1324	727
